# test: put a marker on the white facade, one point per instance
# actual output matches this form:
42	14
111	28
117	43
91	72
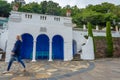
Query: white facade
88	50
35	24
79	39
3	33
3	39
51	26
72	40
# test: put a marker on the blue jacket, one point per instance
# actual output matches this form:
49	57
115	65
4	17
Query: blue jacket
17	48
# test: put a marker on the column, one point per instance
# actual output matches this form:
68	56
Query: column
50	51
97	28
34	51
84	27
116	28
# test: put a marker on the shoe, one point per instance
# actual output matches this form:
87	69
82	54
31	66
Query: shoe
5	72
24	70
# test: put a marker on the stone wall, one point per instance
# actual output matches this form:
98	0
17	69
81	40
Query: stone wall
100	43
116	47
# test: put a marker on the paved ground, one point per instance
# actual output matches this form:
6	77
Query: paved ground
105	69
102	69
42	70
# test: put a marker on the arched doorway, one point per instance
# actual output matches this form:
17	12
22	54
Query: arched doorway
42	47
74	44
27	46
58	47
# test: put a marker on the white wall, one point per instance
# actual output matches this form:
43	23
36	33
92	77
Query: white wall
97	33
79	38
18	24
88	50
54	25
3	33
3	39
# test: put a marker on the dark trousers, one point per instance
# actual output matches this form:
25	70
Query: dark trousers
15	58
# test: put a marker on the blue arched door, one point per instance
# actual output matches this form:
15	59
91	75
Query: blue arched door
58	47
27	46
74	44
42	47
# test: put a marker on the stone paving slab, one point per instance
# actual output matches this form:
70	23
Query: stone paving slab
42	70
101	69
105	69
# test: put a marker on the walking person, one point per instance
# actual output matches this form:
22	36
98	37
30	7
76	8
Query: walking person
15	54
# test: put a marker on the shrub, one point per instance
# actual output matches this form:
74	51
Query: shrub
109	40
90	33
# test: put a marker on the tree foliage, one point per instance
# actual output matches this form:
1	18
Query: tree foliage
98	14
50	8
90	33
31	7
4	8
95	14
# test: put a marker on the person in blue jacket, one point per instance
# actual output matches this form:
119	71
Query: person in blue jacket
15	54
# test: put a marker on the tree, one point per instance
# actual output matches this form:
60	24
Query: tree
90	33
74	10
53	8
109	40
5	8
31	7
50	8
85	16
116	11
97	14
64	10
43	6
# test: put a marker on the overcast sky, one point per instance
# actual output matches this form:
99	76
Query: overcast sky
79	3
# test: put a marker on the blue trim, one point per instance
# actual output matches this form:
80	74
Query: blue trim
74	44
27	46
57	47
42	47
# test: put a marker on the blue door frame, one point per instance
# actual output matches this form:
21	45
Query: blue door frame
27	46
57	47
42	47
74	44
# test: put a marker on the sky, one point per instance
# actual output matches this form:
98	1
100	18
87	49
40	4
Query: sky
79	3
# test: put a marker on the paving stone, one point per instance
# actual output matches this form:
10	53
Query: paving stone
42	75
52	70
39	69
49	73
115	79
102	69
21	78
8	74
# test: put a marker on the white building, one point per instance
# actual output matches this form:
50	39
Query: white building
3	33
45	37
